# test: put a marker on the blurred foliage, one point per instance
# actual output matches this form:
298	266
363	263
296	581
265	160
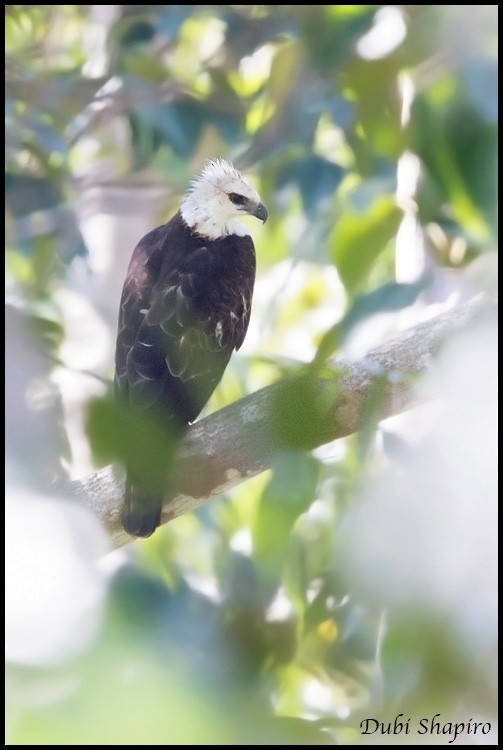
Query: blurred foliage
233	625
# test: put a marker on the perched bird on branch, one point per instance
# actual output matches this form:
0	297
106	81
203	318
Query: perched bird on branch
185	308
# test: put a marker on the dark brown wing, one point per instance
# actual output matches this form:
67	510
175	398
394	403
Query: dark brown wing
135	302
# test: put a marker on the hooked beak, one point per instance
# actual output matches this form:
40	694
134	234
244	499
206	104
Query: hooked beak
260	212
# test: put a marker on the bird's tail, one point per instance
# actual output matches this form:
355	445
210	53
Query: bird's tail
141	512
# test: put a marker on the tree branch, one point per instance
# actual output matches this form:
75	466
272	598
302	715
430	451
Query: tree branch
241	440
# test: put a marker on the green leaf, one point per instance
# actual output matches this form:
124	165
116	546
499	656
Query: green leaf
145	67
139	440
302	412
459	150
317	179
104	426
358	240
289	493
387	298
370	415
179	124
331	35
285	70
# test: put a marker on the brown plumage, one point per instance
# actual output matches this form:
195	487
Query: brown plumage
185	308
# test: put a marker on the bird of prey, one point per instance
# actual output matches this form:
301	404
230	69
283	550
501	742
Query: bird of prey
185	307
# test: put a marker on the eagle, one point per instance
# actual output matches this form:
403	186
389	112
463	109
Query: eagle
185	307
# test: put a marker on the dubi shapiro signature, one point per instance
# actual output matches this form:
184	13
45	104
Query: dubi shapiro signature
427	726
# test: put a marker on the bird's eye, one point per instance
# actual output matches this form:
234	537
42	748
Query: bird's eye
238	200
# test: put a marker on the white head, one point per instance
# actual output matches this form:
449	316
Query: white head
216	200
